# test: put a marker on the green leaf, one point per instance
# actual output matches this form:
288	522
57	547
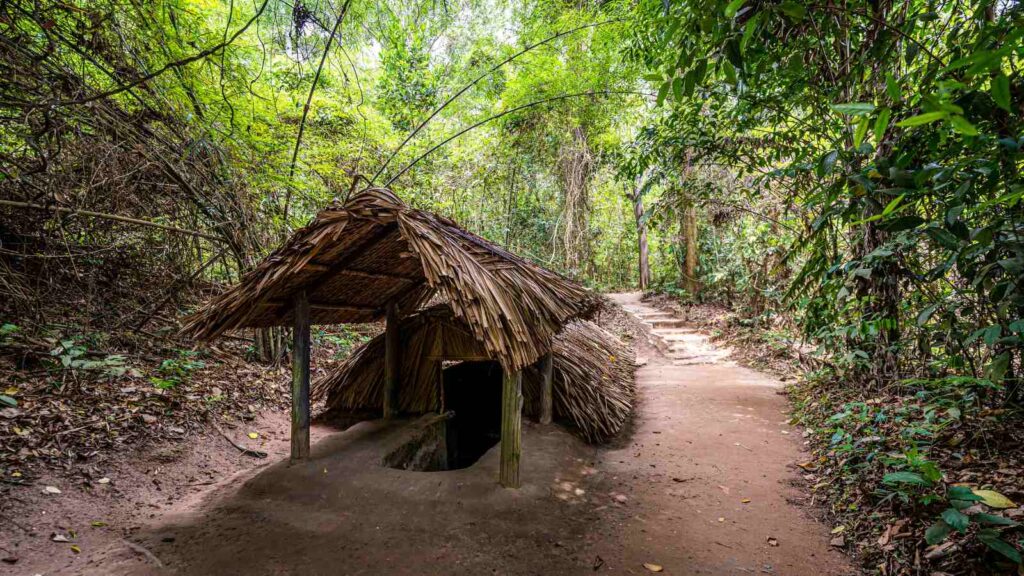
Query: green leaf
749	30
793	10
664	92
1000	91
957	519
5	399
892	88
961	125
860	133
937	532
733	6
893	204
926	314
993	520
904	478
920	119
881	124
995	371
963	493
990	537
854	108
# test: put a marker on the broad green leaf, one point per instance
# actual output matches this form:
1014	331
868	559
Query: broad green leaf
5	399
733	6
891	206
926	314
854	108
860	132
956	519
749	30
1000	91
961	125
881	124
993	520
793	10
937	532
892	88
994	499
920	119
962	493
990	537
904	478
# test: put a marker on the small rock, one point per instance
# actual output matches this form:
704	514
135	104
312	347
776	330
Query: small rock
149	419
103	480
59	537
838	541
621	498
51	490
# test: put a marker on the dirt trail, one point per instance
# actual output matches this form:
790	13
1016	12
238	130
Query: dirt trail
708	474
707	436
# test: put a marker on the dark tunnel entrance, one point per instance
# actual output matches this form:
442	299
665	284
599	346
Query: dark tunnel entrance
473	391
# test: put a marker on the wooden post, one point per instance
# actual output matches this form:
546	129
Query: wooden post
511	428
547	400
392	361
300	379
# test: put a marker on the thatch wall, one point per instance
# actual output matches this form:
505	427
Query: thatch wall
355	259
592	372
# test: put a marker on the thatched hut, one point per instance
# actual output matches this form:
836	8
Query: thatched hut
592	374
376	258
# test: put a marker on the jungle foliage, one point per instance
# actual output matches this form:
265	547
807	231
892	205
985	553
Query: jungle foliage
847	173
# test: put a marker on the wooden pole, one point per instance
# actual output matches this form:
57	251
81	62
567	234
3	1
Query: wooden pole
511	428
547	401
300	379
392	342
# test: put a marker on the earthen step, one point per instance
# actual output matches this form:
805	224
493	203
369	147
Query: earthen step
667	322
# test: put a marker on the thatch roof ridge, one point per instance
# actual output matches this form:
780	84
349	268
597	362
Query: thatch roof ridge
512	305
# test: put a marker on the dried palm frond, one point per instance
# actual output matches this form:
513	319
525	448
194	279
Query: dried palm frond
354	259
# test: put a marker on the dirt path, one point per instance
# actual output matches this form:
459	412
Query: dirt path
708	475
708	435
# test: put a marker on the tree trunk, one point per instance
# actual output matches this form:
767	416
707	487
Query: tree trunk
689	240
641	235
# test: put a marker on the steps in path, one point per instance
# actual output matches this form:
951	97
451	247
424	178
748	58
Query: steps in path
683	345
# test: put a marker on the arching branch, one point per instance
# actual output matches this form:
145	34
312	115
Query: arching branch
510	111
473	83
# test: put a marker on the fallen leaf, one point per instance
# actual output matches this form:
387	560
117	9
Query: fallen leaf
75	549
103	480
721	519
98	524
51	490
838	529
653	567
59	538
254	435
745	501
994	499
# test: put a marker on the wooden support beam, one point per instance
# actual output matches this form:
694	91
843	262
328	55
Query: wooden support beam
547	396
392	361
377	275
300	379
511	428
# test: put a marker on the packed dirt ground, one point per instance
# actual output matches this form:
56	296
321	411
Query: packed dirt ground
704	482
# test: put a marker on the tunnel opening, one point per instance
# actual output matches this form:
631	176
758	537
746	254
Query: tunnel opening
469	426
